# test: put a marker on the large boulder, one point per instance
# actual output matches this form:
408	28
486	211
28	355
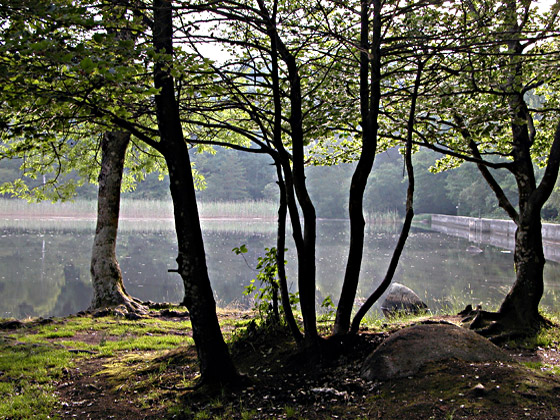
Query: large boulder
407	351
400	298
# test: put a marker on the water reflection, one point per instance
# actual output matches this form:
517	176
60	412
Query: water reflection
44	271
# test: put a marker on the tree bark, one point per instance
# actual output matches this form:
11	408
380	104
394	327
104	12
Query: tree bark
520	307
280	254
369	104
409	211
108	287
216	365
295	176
306	256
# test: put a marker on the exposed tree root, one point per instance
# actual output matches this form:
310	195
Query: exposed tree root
126	306
501	327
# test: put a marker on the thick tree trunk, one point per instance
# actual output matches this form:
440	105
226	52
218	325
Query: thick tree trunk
520	307
216	365
108	288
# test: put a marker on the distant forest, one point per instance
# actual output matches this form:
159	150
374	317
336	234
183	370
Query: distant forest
230	175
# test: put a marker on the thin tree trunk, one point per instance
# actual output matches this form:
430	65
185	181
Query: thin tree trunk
306	259
280	255
108	287
369	109
216	365
409	210
295	175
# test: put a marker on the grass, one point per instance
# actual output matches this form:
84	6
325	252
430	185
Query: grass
27	372
33	358
143	360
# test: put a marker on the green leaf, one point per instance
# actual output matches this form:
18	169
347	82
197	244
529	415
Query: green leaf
98	38
87	64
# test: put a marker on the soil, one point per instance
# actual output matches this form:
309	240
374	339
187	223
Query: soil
282	384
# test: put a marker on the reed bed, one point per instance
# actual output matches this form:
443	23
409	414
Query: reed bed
259	209
58	224
46	209
388	217
137	209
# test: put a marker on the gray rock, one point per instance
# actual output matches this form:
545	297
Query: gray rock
407	351
400	298
474	250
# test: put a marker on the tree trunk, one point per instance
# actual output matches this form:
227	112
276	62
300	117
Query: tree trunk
108	288
280	254
215	362
409	210
216	365
521	305
306	258
295	176
369	109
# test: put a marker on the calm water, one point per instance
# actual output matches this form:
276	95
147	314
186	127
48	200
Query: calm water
44	266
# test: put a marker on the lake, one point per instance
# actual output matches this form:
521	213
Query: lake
44	264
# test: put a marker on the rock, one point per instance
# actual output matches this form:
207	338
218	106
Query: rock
102	312
132	316
400	298
410	349
11	324
479	390
472	249
168	313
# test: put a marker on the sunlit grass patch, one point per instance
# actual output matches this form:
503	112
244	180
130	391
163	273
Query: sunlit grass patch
378	322
34	357
27	401
26	375
151	378
142	343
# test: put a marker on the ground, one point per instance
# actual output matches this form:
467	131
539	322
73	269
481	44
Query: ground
111	367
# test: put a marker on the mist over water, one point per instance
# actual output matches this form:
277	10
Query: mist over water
44	271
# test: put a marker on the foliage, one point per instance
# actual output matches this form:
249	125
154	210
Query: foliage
329	309
264	288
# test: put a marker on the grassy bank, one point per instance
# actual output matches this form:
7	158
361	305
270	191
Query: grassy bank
111	367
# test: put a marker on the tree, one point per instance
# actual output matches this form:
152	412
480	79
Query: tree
391	72
296	87
99	81
480	113
265	85
215	362
108	287
46	129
